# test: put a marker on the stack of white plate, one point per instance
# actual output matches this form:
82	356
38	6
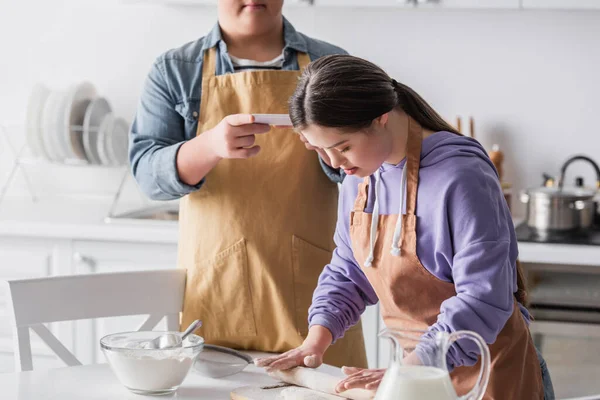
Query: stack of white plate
75	125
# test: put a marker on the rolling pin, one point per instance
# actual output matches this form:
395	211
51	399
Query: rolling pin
320	381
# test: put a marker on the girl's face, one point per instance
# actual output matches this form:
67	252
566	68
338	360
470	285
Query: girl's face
249	17
360	153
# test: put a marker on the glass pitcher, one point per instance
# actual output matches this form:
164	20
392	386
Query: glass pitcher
431	380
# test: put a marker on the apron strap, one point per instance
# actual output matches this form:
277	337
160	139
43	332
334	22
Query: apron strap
361	198
413	161
209	63
303	60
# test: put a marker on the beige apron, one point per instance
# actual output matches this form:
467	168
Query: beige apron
256	236
410	296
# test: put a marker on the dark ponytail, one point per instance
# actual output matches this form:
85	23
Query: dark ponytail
521	294
346	92
415	106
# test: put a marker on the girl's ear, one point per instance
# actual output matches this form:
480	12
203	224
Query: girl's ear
382	119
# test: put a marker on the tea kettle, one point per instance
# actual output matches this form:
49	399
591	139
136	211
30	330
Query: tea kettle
431	380
556	207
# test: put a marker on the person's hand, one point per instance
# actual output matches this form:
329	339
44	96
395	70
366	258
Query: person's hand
322	153
235	135
360	378
309	354
305	355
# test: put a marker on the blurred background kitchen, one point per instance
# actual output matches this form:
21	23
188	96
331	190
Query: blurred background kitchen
519	75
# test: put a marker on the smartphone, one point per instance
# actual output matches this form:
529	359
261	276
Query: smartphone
273	119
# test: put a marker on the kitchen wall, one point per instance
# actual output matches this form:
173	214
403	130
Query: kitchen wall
528	77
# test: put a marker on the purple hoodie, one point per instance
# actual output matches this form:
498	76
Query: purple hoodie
465	235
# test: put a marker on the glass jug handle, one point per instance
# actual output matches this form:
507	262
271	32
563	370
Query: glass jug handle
484	372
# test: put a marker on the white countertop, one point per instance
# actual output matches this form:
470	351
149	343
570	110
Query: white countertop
97	381
79	219
553	253
564	254
84	220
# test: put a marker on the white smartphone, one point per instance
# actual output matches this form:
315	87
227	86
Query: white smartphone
273	119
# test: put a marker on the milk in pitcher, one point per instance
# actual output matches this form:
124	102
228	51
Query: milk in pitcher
406	382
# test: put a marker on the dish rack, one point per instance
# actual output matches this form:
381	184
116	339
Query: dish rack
22	159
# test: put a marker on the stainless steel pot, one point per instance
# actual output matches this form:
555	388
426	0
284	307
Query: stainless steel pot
551	208
559	209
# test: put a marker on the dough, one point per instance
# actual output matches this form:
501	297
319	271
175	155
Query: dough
300	393
319	381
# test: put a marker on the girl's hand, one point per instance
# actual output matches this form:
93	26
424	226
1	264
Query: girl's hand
309	354
360	378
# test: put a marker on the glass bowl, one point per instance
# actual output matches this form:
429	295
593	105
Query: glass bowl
149	371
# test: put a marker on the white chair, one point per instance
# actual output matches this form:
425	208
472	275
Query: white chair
34	302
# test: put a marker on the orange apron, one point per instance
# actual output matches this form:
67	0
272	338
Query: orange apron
410	296
255	238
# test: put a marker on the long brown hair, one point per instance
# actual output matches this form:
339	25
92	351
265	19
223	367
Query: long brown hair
521	293
347	92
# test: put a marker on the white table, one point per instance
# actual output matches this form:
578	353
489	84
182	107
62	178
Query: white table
97	381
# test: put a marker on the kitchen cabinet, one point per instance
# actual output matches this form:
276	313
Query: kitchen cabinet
561	4
474	4
449	4
496	4
287	3
371	327
564	299
410	4
364	3
173	2
22	258
384	348
571	352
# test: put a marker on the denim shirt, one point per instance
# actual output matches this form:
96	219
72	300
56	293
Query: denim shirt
167	113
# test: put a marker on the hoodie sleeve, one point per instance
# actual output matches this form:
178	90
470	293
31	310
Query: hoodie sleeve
343	291
483	266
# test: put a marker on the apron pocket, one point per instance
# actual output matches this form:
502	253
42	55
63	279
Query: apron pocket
308	262
223	287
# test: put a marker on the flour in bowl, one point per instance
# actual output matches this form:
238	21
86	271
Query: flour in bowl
149	370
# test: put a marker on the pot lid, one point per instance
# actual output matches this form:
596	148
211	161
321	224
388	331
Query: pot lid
566	193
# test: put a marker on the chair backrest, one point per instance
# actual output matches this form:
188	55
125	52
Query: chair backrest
34	302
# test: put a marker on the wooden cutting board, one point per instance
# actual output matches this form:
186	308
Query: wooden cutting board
280	392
